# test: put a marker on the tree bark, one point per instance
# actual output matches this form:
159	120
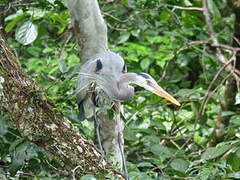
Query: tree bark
90	28
38	121
91	33
230	92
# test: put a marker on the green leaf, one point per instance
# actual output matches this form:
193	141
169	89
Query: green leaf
237	99
213	9
187	3
163	58
144	164
228	113
73	59
62	66
235	175
5	123
135	32
140	176
34	51
185	114
205	173
13	21
159	149
145	63
123	37
14	144
164	15
36	13
215	152
10	26
24	151
51	1
158	39
47	50
88	177
14	16
130	135
163	178
179	165
26	33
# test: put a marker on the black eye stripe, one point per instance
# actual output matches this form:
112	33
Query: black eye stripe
143	75
98	66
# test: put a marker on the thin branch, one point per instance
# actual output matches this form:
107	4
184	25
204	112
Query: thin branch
74	172
115	18
63	46
237	41
226	47
188	8
222	46
176	153
114	28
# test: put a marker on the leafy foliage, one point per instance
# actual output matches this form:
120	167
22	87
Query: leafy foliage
161	142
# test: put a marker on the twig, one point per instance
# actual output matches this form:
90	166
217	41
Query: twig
176	138
175	144
131	118
74	172
188	8
223	46
226	47
114	28
106	2
63	46
237	41
221	83
175	154
115	18
192	43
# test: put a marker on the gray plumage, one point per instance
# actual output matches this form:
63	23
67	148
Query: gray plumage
97	77
104	75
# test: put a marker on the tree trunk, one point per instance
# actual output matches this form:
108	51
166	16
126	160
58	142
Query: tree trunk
229	99
38	121
90	28
91	32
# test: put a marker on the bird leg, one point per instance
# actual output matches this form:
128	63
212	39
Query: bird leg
123	157
120	140
97	125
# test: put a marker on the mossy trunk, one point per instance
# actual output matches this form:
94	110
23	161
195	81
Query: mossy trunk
38	120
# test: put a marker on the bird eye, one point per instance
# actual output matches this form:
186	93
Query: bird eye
149	83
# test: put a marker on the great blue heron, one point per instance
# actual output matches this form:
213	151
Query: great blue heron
102	82
107	70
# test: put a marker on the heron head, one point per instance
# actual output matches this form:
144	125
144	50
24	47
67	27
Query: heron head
146	81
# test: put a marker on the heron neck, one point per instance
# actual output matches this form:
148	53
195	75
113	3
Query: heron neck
127	78
121	90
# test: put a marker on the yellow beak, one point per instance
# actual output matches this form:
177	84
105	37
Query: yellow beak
162	93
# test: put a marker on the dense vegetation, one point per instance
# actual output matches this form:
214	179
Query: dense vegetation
154	36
